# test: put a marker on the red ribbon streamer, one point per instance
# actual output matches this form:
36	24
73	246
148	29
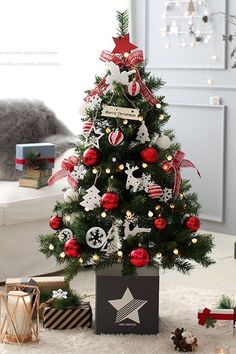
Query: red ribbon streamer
177	162
134	59
67	166
25	161
202	317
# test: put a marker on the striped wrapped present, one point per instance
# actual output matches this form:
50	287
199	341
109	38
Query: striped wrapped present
79	317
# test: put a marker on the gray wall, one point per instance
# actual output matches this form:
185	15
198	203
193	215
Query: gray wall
207	133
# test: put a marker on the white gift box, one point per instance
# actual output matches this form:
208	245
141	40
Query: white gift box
225	320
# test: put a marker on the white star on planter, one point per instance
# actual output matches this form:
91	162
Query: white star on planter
59	294
127	307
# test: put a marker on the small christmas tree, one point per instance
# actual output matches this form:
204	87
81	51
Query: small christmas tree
130	204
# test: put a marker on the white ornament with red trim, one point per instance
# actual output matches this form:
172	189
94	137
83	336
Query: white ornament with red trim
87	126
133	88
154	191
143	135
115	137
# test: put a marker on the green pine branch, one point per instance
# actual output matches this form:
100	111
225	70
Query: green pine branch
123	23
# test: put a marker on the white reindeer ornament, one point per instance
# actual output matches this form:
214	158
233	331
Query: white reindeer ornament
136	230
131	180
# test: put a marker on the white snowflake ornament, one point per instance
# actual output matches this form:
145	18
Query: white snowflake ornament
96	237
145	182
65	235
79	172
166	195
59	294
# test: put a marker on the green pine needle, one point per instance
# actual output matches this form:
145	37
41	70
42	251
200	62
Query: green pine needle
123	23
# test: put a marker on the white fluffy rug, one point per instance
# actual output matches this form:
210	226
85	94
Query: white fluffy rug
178	308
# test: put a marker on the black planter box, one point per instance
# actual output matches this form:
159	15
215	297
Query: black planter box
127	304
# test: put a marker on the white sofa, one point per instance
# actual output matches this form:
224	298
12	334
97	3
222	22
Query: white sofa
24	214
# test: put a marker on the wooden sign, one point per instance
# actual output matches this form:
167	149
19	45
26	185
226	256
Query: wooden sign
120	112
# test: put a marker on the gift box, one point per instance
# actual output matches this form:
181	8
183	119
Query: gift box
38	173
218	321
45	153
32	182
127	304
79	317
45	284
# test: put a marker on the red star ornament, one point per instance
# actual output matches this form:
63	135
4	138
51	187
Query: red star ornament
123	45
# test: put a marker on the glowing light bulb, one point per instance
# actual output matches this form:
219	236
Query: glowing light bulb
169	158
128	213
81	260
95	257
158	105
157	207
103	214
119	253
108	170
108	130
126	54
94	171
62	255
194	240
140	118
125	121
176	251
144	165
51	247
172	206
121	167
150	214
158	255
162	117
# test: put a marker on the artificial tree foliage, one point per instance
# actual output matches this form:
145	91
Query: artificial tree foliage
174	246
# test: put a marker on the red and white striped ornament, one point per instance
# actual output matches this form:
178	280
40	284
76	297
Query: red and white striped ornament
115	137
87	127
133	88
154	191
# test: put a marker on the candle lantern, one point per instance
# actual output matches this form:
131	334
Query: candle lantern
19	314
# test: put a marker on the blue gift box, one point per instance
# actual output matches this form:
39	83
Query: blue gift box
45	152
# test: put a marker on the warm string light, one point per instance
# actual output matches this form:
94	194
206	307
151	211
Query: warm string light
62	255
129	214
95	257
94	171
108	130
172	206
119	253
81	261
51	247
121	167
140	118
176	251
125	121
169	158
194	240
103	214
108	170
150	214
162	117
157	207
144	165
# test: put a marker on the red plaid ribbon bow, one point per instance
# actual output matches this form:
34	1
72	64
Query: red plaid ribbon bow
132	61
177	162
67	166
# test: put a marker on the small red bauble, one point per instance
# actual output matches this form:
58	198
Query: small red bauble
160	223
133	88
139	257
116	137
72	248
149	155
92	157
56	222
192	223
110	201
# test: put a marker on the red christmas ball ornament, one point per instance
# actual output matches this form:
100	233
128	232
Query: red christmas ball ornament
87	126
139	257
72	248
115	137
192	223
149	155
133	88
154	191
92	157
56	222
160	223
110	201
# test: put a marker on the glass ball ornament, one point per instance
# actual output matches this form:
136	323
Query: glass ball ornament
149	155
72	248
192	223
56	222
71	195
139	257
160	223
92	157
163	142
110	201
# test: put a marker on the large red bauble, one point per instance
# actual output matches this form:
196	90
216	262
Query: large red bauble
110	201
72	248
160	223
192	223
149	155
56	222
139	257
92	157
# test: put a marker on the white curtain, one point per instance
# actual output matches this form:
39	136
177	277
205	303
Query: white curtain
49	50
